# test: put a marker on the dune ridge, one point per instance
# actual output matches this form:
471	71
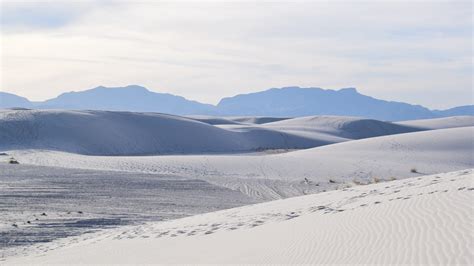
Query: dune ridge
274	176
440	123
128	133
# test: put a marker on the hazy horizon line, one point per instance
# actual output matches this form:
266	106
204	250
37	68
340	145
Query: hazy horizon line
216	104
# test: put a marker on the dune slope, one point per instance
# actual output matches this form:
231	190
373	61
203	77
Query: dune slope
299	172
342	126
422	220
128	133
236	120
440	123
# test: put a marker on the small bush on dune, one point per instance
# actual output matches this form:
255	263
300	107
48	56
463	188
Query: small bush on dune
347	185
13	161
375	180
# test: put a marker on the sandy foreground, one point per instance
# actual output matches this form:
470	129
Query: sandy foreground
419	220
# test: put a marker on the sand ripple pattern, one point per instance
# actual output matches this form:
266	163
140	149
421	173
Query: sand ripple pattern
422	220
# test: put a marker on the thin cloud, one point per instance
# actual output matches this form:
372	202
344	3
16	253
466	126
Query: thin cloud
209	50
28	16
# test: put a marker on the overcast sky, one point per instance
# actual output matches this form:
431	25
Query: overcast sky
418	52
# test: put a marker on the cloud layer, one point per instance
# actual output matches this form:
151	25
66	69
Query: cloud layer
416	52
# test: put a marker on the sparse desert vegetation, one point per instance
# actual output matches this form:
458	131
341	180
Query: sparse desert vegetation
13	161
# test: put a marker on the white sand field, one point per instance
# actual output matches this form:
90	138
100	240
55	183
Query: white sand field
128	133
420	220
273	176
381	192
439	123
236	120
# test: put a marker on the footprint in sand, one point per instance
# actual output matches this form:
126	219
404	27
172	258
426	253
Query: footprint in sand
191	233
318	208
291	215
257	223
163	234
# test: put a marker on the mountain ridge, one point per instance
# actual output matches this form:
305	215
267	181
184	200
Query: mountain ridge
282	102
318	101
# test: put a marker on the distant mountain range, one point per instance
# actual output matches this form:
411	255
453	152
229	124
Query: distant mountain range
8	100
130	98
288	102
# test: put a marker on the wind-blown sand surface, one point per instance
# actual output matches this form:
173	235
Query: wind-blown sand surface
440	123
420	220
299	172
345	127
236	120
90	160
128	133
40	204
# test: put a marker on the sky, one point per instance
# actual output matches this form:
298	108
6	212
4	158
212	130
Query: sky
418	52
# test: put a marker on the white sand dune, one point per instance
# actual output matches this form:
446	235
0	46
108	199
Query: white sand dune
256	119
299	172
440	123
236	120
213	120
421	220
341	126
128	133
331	129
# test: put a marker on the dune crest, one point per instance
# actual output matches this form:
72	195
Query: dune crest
129	133
275	176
